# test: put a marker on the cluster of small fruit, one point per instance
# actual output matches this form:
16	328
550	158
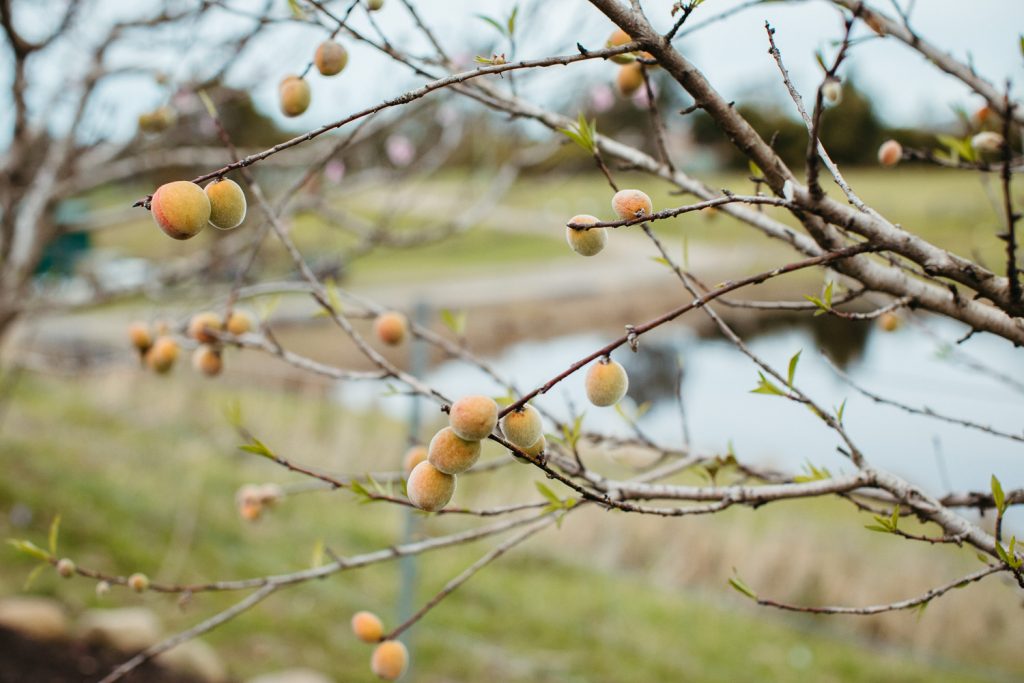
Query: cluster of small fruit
182	209
159	350
390	658
330	59
630	78
627	205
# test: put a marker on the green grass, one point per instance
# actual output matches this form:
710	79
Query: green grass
143	471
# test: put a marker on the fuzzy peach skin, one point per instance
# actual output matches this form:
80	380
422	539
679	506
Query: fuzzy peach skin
523	427
207	360
162	354
140	335
239	322
606	383
586	242
533	451
389	660
630	204
295	95
181	209
630	79
451	454
414	456
429	488
473	417
202	325
390	327
227	204
367	626
890	153
330	58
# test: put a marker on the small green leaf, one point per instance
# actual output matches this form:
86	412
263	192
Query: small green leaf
998	496
29	548
512	21
549	494
267	308
296	9
792	369
765	386
318	554
737	583
662	260
211	108
33	575
233	412
755	170
454	320
259	448
840	411
359	489
878	527
51	541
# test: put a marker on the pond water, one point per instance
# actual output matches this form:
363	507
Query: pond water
908	365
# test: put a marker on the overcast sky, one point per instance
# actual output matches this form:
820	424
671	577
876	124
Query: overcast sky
732	53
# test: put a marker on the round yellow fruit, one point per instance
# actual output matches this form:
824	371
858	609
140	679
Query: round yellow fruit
295	95
890	153
630	79
414	456
606	383
140	335
239	322
620	37
330	58
523	427
162	354
207	360
391	328
203	326
227	204
586	242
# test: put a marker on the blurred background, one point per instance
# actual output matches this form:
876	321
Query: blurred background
455	214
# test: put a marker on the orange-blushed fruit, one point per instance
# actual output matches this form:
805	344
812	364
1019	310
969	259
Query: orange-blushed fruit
140	335
890	322
414	456
533	451
294	95
207	360
629	204
630	79
162	354
473	417
330	58
451	454
239	322
138	582
203	326
181	209
367	626
429	488
390	327
890	153
389	660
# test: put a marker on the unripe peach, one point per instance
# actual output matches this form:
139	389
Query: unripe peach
294	94
158	120
414	456
630	79
66	567
429	488
181	209
630	204
890	322
330	58
227	204
620	37
239	322
389	660
374	5
533	451
207	360
162	355
140	335
523	427
203	325
987	141
451	454
138	582
390	327
890	153
606	383
473	417
367	626
586	242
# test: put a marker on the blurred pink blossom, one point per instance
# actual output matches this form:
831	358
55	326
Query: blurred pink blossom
640	98
335	170
400	150
601	98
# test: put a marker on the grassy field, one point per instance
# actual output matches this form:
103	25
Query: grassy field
143	471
